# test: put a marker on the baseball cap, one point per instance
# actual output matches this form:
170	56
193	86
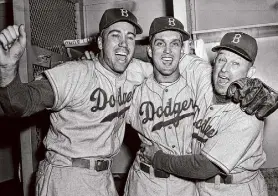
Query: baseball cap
168	23
239	43
113	15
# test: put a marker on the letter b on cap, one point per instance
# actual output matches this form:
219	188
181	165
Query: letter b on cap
171	22
124	12
236	38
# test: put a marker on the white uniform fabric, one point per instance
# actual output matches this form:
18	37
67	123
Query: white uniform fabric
200	49
232	140
165	115
87	122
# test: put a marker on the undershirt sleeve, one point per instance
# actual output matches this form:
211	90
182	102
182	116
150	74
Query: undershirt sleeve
188	166
24	99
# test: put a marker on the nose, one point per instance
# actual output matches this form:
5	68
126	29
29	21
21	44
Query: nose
167	49
225	67
123	42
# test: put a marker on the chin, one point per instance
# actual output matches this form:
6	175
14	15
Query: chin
220	90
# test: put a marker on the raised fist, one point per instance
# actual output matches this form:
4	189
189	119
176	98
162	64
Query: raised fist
13	41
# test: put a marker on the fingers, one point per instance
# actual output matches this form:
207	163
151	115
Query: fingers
255	104
265	111
253	94
89	55
269	106
3	41
245	90
22	36
11	34
8	36
16	30
142	148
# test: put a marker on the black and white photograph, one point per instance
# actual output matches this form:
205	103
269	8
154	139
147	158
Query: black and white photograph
138	97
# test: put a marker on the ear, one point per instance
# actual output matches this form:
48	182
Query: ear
99	42
251	72
186	49
213	61
182	50
149	51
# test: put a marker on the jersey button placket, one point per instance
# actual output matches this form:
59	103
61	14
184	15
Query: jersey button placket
171	128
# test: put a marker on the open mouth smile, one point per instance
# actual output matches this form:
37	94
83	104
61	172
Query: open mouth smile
223	80
121	56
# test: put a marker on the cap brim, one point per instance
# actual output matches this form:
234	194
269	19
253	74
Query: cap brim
184	34
139	29
234	49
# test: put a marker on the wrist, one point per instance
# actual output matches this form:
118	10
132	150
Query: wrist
156	157
7	74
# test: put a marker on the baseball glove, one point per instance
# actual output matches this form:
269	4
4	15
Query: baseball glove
255	97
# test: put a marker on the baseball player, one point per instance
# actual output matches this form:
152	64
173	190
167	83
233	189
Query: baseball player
88	101
227	142
164	107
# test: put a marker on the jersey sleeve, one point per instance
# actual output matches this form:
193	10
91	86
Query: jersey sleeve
69	81
228	147
139	70
147	68
198	74
132	117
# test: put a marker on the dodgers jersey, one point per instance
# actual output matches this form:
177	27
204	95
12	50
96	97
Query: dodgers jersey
90	106
230	138
164	113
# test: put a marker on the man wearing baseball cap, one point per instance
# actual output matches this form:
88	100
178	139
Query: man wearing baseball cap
226	142
163	109
87	101
240	43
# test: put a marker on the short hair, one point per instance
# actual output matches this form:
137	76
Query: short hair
152	36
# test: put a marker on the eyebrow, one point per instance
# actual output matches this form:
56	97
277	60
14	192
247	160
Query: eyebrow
113	30
118	31
177	40
158	39
238	59
132	33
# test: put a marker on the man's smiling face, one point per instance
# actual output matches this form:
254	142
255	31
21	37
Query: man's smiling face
228	67
166	50
117	44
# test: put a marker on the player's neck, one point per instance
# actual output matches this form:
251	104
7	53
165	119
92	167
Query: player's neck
166	79
220	99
